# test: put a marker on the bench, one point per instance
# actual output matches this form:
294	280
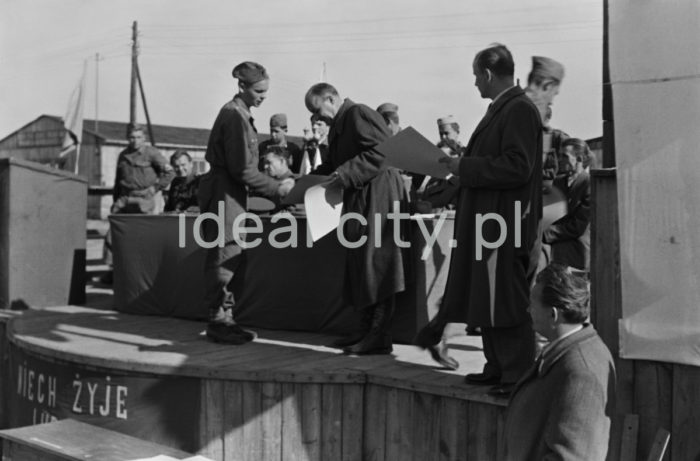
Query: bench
72	440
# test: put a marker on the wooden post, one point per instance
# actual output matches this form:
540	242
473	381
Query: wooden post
134	63
145	107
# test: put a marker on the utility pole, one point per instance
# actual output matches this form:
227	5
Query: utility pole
97	92
134	71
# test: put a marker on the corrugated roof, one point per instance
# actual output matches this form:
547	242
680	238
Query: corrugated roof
164	134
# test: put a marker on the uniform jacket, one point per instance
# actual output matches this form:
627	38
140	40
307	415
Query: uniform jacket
232	152
141	169
370	188
570	235
502	165
563	411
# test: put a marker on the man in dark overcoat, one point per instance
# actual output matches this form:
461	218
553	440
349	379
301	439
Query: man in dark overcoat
373	273
496	226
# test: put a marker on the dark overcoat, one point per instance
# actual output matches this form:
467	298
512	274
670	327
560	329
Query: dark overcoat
501	169
562	407
373	272
569	235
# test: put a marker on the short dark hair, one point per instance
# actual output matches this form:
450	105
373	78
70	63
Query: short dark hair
496	58
322	89
180	153
567	291
280	151
581	150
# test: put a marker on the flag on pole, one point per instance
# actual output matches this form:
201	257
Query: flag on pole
73	122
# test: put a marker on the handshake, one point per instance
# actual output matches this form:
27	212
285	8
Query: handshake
284	187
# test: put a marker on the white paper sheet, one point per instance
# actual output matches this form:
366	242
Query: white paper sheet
324	206
411	151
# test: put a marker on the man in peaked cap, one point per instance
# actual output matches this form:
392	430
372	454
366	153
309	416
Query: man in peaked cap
390	112
543	82
278	137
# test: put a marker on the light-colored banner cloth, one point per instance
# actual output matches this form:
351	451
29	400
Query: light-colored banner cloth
656	101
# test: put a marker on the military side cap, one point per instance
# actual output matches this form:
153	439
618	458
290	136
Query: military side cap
547	68
249	72
446	120
387	107
278	121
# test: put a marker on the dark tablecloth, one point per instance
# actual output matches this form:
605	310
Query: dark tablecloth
287	289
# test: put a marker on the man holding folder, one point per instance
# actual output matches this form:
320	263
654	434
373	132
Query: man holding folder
374	270
496	222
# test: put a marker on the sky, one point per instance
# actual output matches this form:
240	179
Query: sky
416	54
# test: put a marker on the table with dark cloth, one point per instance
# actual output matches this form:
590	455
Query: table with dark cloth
279	288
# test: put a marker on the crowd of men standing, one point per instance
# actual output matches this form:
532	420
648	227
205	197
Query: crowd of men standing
512	158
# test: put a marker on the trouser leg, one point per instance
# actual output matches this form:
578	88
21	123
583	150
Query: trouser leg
219	269
510	350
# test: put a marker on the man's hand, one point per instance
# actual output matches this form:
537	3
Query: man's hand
452	164
335	180
285	186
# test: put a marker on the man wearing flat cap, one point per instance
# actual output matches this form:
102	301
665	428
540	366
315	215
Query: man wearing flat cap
390	113
278	137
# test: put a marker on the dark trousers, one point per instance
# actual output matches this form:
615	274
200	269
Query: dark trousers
219	268
509	351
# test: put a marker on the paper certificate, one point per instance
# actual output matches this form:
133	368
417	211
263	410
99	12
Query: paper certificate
411	151
324	205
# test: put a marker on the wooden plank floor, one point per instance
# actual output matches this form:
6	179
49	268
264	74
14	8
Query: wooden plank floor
162	345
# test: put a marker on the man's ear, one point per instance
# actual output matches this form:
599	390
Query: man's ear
554	313
489	75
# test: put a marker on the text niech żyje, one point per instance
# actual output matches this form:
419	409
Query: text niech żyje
92	396
247	225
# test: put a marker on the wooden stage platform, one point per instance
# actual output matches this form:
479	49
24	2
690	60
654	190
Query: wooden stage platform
284	396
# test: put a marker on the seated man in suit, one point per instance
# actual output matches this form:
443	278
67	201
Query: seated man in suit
561	407
182	196
569	236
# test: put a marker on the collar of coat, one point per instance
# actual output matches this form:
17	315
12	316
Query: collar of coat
243	109
496	107
563	346
339	118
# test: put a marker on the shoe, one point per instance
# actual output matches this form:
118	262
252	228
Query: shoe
228	333
482	379
501	390
440	355
473	331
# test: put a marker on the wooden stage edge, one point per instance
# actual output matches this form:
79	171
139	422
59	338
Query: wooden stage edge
284	396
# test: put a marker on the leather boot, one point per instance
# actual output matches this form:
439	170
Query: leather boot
378	338
349	340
